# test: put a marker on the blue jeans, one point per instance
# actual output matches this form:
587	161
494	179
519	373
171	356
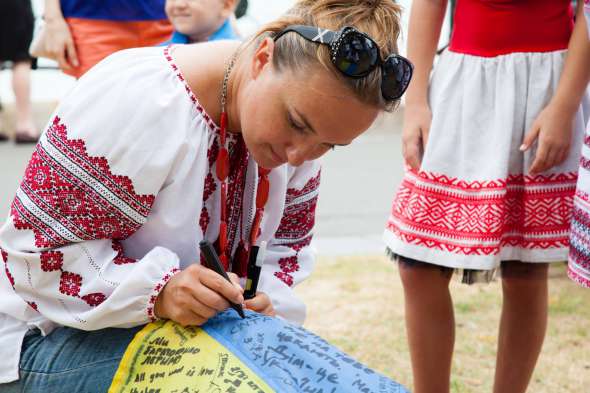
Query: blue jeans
70	361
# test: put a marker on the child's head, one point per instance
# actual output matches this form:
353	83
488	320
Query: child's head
199	19
297	104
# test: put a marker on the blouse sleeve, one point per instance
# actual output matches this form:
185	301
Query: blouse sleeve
289	258
91	183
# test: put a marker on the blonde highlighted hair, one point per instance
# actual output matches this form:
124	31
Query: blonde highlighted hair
380	19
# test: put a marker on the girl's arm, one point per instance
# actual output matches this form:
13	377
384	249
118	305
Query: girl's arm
426	19
553	126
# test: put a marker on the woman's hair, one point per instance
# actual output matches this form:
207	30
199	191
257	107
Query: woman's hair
380	19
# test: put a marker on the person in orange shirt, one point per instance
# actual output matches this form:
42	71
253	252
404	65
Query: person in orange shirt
81	33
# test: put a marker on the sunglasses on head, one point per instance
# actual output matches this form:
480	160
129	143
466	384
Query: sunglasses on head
355	54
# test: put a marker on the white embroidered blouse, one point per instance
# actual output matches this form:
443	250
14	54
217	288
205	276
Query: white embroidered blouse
117	196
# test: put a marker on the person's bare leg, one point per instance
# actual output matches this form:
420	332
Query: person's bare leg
522	325
430	325
21	84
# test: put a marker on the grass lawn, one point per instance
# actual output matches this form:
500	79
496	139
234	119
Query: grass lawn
356	303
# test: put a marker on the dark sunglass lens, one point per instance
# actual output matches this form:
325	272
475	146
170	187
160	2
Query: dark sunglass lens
397	73
357	55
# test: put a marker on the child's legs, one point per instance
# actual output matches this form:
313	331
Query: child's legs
430	323
21	84
522	326
70	360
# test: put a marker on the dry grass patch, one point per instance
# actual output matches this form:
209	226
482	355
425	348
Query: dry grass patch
357	304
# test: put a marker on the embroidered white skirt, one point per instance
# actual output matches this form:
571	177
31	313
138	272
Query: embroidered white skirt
473	203
579	256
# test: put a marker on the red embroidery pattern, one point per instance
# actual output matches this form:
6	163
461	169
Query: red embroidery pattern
236	184
204	219
479	218
61	208
8	275
289	264
285	277
120	258
311	186
51	261
68	196
210	186
236	179
94	299
296	225
156	291
10	278
299	215
70	283
579	252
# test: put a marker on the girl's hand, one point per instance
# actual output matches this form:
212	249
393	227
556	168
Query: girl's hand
553	128
417	120
261	303
60	44
196	294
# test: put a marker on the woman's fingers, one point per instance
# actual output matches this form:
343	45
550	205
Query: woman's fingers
270	311
195	295
190	311
261	303
189	318
236	281
216	291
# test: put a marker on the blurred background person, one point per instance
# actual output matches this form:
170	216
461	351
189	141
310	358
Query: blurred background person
201	20
16	32
80	33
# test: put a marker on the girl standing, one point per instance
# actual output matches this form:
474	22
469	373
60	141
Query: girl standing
492	141
579	256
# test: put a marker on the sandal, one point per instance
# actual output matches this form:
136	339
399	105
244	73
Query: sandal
24	138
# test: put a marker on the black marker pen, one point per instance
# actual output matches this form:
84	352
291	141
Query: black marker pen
212	262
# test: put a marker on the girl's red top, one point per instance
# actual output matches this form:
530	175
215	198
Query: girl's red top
497	27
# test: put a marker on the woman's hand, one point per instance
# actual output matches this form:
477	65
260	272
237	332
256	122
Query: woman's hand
553	129
261	304
196	294
417	120
59	43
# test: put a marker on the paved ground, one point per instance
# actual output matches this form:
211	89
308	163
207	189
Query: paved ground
358	183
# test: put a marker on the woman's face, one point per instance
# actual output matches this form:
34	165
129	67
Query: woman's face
293	117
